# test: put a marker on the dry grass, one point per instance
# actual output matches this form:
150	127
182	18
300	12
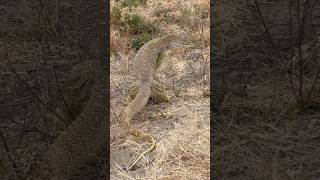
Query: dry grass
181	127
259	131
28	114
183	152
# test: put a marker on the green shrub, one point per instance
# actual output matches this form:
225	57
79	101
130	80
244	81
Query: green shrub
136	23
123	16
139	40
132	3
116	13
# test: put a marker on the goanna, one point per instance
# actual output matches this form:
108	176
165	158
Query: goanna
146	61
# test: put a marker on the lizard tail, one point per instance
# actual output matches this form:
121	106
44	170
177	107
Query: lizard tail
137	103
149	137
138	133
133	108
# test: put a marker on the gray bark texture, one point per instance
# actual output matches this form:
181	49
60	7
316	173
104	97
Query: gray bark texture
86	137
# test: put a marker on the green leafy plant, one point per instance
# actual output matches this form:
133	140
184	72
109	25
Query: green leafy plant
139	26
132	3
136	23
140	40
116	13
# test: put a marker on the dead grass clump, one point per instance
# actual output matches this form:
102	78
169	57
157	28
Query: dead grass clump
184	152
260	132
118	43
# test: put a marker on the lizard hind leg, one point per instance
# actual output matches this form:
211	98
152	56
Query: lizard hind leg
158	93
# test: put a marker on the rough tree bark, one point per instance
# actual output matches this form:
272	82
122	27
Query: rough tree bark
87	135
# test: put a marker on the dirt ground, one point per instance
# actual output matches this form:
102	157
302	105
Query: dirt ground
181	126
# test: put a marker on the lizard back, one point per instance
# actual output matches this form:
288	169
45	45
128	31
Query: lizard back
145	59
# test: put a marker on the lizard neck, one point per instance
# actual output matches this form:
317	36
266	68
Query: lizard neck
162	44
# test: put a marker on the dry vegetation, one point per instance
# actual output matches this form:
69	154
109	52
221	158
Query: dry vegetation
181	127
38	48
266	72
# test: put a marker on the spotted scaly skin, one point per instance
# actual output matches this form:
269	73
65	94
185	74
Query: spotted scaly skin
146	61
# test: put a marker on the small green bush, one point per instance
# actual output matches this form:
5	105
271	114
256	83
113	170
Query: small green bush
137	23
138	41
116	13
132	3
124	16
139	26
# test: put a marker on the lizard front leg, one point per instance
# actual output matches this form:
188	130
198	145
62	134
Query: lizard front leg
158	93
159	60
